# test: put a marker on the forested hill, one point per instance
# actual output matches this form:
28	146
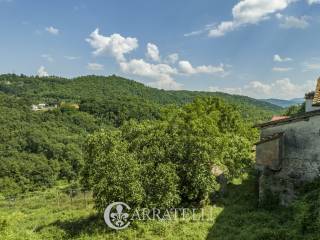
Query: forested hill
120	93
42	144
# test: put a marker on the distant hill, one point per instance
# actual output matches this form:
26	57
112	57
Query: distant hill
120	91
284	103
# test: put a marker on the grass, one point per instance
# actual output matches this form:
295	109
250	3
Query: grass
236	216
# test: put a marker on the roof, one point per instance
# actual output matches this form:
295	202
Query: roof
302	117
275	118
316	99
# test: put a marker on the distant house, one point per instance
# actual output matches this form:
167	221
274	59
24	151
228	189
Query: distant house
42	107
288	153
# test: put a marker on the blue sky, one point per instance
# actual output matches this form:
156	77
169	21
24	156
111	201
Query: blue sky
259	48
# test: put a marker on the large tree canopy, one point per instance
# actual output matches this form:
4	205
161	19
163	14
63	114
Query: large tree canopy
169	161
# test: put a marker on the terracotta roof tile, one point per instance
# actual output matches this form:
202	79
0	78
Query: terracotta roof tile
276	118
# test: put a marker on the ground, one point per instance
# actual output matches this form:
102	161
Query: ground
236	216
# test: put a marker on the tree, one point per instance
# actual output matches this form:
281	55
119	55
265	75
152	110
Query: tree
175	155
111	171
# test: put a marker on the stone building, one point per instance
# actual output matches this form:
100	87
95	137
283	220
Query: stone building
288	153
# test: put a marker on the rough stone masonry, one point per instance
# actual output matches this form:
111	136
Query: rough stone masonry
288	153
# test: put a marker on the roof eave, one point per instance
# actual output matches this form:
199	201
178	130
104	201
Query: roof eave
289	120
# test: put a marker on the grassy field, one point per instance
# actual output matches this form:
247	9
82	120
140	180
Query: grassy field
236	216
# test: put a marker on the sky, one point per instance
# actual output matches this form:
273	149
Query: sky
258	48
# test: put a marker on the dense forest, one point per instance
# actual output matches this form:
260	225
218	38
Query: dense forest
37	148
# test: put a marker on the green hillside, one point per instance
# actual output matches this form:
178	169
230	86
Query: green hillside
97	134
108	90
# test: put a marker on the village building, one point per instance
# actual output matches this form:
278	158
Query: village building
43	107
288	153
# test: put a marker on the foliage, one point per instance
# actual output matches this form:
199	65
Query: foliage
176	154
295	110
235	216
113	172
37	148
114	95
53	138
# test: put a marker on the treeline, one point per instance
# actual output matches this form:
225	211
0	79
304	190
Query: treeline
121	91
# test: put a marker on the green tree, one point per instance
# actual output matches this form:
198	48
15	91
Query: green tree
111	171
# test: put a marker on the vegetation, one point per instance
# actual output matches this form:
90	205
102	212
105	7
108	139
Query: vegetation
176	156
116	97
37	148
123	141
296	110
235	216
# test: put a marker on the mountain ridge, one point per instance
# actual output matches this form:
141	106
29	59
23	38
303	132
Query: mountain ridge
101	88
284	103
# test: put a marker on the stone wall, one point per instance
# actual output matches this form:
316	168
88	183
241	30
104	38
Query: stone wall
300	161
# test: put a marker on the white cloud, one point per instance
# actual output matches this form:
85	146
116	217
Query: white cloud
193	33
95	66
42	72
185	67
310	2
248	12
71	57
293	22
282	88
153	52
172	58
161	73
197	32
281	69
278	58
115	44
223	28
48	57
52	30
312	65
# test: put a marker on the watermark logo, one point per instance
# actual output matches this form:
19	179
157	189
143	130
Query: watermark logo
116	216
119	215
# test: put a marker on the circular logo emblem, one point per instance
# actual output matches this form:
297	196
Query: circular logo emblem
116	216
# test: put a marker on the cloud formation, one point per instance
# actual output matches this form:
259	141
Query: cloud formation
52	30
161	73
48	57
95	66
281	69
310	2
248	12
278	58
153	52
311	65
42	72
115	44
185	67
282	88
71	57
172	58
293	22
